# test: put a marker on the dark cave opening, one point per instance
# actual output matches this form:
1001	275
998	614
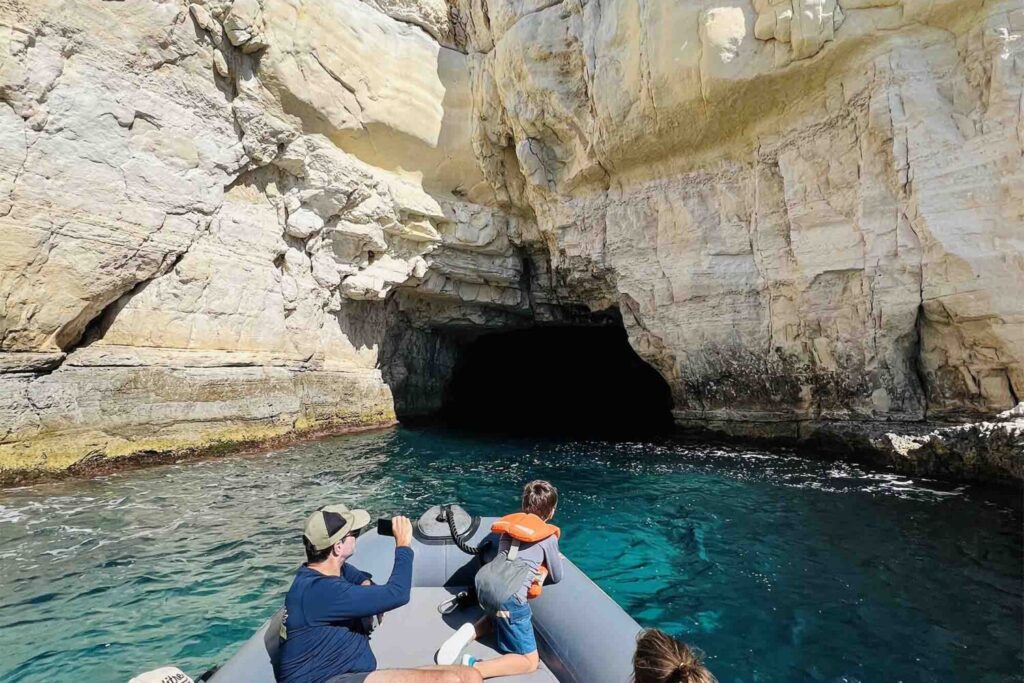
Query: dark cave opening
556	380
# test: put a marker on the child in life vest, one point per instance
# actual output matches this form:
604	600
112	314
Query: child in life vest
513	622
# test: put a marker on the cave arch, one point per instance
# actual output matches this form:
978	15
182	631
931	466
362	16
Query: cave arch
556	380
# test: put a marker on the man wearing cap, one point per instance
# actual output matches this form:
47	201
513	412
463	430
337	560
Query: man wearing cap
323	635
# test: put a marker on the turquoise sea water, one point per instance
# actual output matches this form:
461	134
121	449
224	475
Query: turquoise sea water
780	568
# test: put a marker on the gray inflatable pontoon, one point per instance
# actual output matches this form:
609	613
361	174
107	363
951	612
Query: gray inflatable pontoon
583	636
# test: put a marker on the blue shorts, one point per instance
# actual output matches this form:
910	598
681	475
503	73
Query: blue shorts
513	627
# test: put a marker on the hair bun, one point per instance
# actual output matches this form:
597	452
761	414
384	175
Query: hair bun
683	672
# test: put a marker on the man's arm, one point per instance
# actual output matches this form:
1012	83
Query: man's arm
354	601
366	601
553	559
353	575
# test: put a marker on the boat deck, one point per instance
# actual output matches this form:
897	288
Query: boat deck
583	636
409	636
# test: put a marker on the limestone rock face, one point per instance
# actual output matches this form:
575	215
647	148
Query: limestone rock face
433	16
118	146
223	220
809	210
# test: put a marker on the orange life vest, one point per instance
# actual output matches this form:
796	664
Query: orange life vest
528	528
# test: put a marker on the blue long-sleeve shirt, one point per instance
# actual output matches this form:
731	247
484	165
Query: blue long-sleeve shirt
322	620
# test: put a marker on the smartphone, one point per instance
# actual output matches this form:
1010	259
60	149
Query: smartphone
384	527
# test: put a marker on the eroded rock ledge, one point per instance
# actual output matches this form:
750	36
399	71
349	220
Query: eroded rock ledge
228	220
989	450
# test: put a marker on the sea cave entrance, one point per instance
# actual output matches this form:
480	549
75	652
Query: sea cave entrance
555	380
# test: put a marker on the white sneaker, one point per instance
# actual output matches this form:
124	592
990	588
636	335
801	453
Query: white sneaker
449	652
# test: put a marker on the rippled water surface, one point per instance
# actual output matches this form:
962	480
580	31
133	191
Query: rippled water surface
780	568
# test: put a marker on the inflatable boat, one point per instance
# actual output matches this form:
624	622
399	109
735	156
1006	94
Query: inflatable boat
583	636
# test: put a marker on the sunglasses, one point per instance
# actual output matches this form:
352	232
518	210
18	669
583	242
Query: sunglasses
355	533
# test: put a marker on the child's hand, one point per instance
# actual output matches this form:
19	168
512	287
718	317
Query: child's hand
538	583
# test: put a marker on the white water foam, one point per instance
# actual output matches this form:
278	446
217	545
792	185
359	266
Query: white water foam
10	515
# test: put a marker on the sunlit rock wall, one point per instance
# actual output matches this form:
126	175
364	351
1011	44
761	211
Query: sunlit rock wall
808	211
204	207
225	221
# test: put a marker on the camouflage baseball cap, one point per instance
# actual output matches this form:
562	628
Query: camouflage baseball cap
331	523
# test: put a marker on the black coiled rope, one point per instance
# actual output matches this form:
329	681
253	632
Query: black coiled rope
459	542
466	597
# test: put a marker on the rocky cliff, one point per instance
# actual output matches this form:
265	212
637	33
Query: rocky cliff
225	221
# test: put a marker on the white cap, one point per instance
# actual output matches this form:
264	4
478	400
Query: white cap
165	674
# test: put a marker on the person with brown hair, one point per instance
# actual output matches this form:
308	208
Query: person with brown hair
528	556
660	658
